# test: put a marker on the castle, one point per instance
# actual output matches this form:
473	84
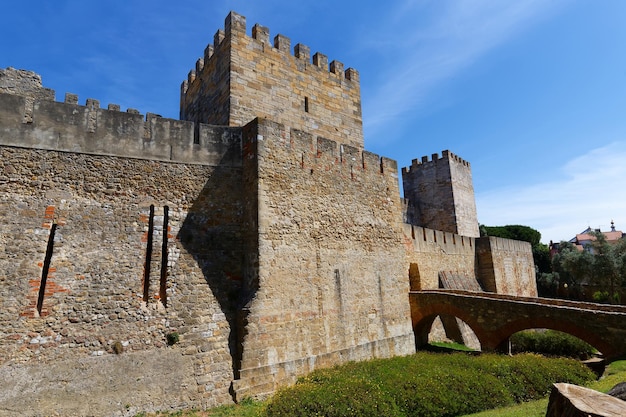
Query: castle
151	263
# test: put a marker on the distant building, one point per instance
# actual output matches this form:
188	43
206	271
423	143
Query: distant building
584	239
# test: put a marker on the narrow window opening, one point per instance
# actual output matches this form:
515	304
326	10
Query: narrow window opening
163	280
306	104
46	268
146	268
196	134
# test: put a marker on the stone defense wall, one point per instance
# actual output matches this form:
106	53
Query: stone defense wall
441	194
137	232
265	80
330	243
23	83
506	266
502	266
270	249
431	251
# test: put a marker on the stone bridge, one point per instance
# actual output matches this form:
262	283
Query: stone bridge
495	317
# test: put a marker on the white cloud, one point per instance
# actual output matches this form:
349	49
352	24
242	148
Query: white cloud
590	193
456	35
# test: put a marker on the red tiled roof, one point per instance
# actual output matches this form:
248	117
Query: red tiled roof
610	236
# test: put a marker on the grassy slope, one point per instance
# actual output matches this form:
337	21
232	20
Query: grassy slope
615	374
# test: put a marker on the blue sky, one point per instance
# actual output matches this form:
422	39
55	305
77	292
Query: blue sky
531	92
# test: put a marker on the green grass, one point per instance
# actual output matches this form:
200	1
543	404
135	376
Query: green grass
452	346
425	385
615	373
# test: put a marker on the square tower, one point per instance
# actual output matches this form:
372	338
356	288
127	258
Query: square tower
441	194
243	77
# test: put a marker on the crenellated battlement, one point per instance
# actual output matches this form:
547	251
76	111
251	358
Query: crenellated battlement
251	226
294	149
235	25
70	127
231	83
435	158
447	180
423	239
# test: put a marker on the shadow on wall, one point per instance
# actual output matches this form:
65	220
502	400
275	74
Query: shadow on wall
213	234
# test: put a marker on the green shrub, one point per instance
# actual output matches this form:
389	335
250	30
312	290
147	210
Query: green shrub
172	338
349	396
425	385
551	343
601	296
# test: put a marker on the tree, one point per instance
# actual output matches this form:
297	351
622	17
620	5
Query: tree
609	265
515	232
570	267
601	265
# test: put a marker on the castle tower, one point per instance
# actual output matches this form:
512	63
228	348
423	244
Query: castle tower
441	194
242	77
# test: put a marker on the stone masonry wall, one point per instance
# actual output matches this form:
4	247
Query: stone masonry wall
266	80
89	129
463	194
500	265
441	194
24	83
431	251
330	245
106	214
506	266
273	244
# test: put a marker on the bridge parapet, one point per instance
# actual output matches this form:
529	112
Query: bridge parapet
495	317
538	300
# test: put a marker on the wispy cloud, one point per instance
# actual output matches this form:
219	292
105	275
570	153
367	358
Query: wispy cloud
432	50
589	192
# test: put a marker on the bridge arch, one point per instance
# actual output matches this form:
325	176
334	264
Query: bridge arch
494	318
423	322
502	335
